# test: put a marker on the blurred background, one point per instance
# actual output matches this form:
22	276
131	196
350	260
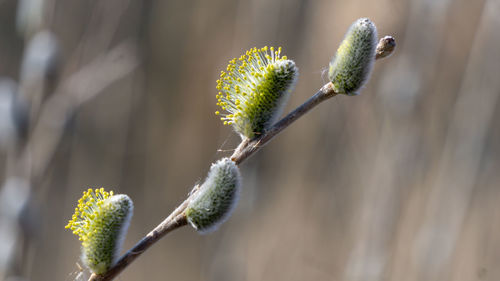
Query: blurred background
398	183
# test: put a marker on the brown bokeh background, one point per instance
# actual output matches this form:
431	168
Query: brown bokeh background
398	183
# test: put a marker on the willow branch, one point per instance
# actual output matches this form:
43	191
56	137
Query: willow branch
175	220
385	48
252	146
244	150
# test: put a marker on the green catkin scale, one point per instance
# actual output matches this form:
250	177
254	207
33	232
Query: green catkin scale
216	198
254	90
101	221
351	67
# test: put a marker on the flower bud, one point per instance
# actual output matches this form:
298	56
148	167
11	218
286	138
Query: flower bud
353	62
385	47
216	198
255	89
101	221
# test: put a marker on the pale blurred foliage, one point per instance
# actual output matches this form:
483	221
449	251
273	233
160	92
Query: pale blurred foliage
399	183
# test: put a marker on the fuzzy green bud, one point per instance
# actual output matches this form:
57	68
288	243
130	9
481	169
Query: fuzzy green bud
254	90
353	62
216	198
101	221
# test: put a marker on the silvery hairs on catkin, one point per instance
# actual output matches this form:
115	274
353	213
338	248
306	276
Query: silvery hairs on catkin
216	198
351	67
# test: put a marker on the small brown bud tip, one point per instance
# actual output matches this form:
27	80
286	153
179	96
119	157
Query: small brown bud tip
385	47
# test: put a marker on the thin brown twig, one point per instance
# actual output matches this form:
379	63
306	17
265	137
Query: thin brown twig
244	150
250	147
385	47
174	221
